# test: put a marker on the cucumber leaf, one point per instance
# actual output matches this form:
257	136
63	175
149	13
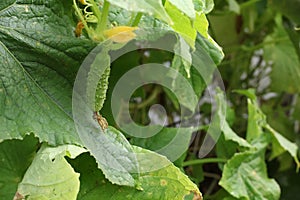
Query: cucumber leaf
166	183
204	6
181	24
15	157
187	7
245	177
50	176
150	7
284	59
220	124
170	142
39	58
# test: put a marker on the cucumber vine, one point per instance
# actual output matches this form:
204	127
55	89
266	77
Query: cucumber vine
95	22
91	14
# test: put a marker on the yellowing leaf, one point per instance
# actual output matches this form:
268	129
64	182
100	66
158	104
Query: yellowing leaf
121	34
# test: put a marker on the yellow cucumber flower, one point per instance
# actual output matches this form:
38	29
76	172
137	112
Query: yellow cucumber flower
120	34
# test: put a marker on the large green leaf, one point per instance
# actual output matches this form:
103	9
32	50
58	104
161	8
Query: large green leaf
281	144
285	62
234	6
187	7
39	59
204	5
245	177
220	123
289	8
286	125
225	149
151	7
166	183
256	118
197	68
15	158
205	41
119	16
182	57
257	122
181	24
182	62
170	142
50	176
224	29
201	24
113	153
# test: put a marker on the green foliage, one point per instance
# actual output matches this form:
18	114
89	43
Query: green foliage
245	174
245	177
289	8
260	51
112	146
187	7
182	24
220	122
286	62
256	131
15	157
151	7
166	183
97	84
177	138
50	176
37	70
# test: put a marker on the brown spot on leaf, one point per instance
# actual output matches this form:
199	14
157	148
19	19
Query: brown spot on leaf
163	182
18	196
197	195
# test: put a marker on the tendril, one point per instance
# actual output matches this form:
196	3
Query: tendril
88	13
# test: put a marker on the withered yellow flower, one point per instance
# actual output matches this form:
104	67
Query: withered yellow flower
120	34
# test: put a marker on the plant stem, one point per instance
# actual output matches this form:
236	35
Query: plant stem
204	161
137	19
211	187
131	19
103	22
212	175
245	48
278	100
88	30
96	10
148	101
261	45
248	3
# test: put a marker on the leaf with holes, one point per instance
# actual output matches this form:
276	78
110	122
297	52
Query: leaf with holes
50	176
